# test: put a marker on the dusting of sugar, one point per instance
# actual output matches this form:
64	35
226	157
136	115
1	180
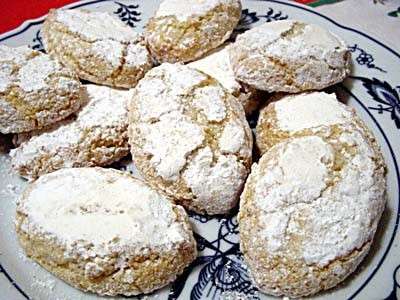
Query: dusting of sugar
308	110
216	185
299	175
136	55
101	207
169	141
106	107
62	143
33	74
5	76
26	68
346	217
111	50
294	197
232	138
309	48
275	230
218	66
234	295
17	55
95	25
183	10
169	82
209	100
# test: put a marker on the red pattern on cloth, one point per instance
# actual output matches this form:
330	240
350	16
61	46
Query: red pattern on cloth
14	13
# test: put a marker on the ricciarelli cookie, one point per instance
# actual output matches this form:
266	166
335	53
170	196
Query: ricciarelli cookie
310	210
103	231
189	137
289	56
97	46
96	136
217	65
183	31
35	91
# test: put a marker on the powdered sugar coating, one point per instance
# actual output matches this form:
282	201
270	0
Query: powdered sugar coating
98	136
217	65
95	25
213	182
289	56
303	111
183	10
316	204
209	100
177	117
183	31
102	220
68	203
170	141
35	91
97	45
316	113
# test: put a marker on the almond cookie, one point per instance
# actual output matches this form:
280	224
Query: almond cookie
289	56
96	136
97	46
185	30
189	137
103	231
35	91
315	113
309	212
217	65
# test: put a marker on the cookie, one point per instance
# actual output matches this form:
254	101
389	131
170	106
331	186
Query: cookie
96	136
183	31
97	46
289	56
315	113
103	231
309	212
217	65
35	91
189	137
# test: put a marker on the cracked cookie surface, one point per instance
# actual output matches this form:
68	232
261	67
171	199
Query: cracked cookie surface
97	135
97	46
183	31
289	56
35	91
217	65
103	231
309	211
189	137
312	113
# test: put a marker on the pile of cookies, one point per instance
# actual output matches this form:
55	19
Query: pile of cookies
177	98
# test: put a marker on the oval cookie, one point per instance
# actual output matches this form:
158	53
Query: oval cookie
96	136
97	46
289	56
182	31
309	212
35	91
189	137
103	231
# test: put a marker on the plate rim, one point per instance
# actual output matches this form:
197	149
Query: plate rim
37	21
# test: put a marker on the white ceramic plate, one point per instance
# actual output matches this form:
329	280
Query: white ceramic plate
373	90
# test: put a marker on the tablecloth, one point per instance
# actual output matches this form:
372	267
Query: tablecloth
378	18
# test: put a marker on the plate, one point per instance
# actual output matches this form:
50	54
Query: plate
219	272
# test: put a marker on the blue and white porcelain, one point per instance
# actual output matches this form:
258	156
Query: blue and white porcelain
373	89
